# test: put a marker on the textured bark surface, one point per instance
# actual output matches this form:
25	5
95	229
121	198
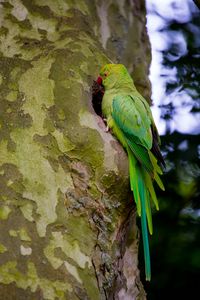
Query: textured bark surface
67	226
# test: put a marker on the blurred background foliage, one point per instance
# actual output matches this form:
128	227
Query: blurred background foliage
175	244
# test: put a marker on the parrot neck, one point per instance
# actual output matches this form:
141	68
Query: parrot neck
118	89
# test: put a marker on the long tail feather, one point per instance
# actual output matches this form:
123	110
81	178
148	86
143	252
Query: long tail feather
154	162
159	182
148	212
134	181
141	196
150	187
157	170
145	238
141	182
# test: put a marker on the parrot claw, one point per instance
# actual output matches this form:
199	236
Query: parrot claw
107	129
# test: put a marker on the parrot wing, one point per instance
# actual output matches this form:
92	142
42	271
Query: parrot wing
156	139
131	118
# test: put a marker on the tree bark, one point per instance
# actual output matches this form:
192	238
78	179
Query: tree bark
67	228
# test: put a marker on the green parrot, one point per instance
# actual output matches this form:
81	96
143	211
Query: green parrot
129	118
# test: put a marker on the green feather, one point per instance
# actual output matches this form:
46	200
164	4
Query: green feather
159	181
142	155
157	170
142	192
148	211
134	180
148	182
154	162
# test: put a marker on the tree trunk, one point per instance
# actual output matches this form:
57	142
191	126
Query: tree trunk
67	227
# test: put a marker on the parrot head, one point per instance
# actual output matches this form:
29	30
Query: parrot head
113	76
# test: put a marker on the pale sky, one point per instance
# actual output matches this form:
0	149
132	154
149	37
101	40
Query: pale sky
179	10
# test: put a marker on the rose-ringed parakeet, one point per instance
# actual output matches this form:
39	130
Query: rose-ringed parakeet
129	117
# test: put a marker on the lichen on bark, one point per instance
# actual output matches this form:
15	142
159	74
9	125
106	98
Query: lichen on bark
67	222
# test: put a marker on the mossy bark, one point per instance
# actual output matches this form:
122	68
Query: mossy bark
67	228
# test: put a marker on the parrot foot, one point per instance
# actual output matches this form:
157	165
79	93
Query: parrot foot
107	128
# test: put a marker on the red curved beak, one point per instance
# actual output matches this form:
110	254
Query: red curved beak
99	80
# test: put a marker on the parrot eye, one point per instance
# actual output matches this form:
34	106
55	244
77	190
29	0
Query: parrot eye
105	74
